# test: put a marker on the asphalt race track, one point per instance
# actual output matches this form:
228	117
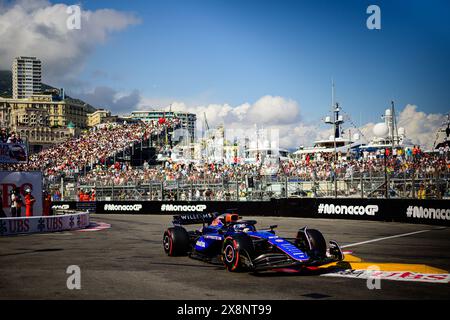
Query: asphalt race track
127	262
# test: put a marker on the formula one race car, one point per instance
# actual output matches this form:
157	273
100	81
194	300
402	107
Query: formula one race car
226	238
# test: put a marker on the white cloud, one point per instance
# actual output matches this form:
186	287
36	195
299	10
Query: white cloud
38	28
420	126
274	110
241	111
268	110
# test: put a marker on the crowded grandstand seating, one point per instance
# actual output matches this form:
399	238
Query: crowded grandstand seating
325	168
91	148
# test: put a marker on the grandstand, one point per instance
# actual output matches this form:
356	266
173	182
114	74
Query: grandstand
118	161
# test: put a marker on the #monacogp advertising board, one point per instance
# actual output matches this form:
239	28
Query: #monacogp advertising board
10	180
435	212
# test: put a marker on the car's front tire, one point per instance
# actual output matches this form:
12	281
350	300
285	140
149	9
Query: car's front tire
176	241
237	252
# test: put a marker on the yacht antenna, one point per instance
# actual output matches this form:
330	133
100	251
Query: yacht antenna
395	138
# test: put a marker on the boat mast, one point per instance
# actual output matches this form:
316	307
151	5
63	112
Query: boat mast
392	125
336	135
395	137
335	110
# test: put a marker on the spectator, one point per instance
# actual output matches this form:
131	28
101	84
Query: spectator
93	195
56	195
16	203
46	203
3	135
421	194
12	138
29	203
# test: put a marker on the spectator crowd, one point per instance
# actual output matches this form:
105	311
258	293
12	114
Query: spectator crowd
93	149
397	165
9	137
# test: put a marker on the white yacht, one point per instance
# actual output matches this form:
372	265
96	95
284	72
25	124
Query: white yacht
335	143
254	155
387	135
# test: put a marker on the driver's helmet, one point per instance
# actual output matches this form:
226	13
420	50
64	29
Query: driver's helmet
225	219
243	227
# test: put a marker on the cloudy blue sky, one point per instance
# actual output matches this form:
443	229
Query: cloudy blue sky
245	61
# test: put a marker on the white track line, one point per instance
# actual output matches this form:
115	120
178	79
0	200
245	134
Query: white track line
390	237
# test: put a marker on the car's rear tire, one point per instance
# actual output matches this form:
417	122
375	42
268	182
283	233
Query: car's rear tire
176	241
236	251
318	248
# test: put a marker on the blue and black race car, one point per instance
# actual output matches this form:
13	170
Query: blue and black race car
226	238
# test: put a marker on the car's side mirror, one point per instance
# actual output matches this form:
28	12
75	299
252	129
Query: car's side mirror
273	226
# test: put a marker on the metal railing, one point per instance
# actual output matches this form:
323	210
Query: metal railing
263	188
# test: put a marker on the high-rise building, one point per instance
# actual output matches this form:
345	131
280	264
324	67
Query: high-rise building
26	76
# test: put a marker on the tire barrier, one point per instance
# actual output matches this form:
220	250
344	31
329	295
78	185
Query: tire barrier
64	222
434	212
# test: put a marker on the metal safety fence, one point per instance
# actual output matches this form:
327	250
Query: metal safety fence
259	188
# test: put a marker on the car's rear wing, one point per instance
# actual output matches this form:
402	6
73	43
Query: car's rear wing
194	218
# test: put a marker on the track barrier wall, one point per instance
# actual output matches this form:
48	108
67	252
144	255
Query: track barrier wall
435	212
23	225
